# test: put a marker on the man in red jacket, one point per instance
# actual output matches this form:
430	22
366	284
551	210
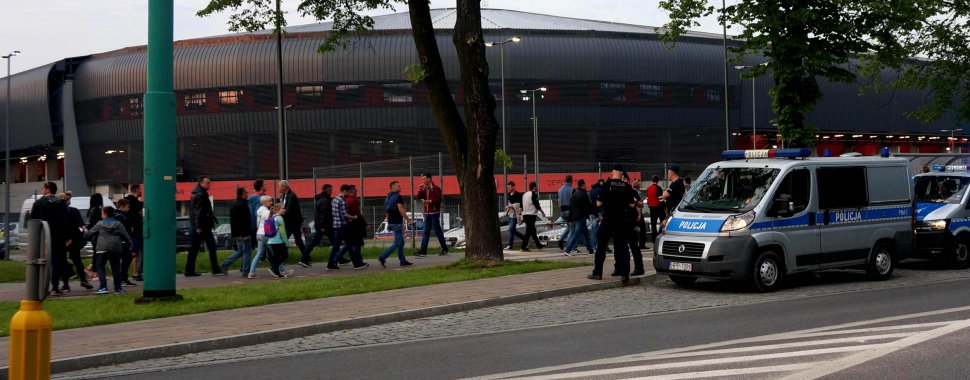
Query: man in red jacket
657	211
430	195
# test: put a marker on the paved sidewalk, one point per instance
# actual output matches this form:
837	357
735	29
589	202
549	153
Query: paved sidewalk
80	348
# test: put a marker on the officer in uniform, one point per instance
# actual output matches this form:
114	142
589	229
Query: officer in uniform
616	199
633	219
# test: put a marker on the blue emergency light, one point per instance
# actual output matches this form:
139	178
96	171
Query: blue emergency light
766	153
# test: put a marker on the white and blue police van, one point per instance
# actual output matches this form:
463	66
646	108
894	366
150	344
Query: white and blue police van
761	215
943	215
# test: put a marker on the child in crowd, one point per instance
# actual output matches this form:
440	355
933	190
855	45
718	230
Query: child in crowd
111	238
277	244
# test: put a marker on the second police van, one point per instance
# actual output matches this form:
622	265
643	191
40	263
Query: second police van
943	215
764	214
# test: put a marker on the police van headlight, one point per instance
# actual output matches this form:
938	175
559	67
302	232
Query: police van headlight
738	222
933	225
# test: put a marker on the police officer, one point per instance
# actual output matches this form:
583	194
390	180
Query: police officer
632	222
616	199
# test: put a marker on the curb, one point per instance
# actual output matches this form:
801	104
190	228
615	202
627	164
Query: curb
178	349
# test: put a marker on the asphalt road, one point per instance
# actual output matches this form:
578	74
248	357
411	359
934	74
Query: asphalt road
741	340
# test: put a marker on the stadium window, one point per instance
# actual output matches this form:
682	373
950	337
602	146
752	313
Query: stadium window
195	101
613	92
350	93
651	92
134	107
230	97
714	95
309	94
398	93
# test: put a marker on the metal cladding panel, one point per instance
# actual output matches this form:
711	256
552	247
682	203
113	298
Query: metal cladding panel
30	117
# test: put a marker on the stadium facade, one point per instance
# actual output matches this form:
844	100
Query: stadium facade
616	93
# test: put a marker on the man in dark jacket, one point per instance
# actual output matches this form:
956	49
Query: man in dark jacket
293	216
239	223
54	211
322	222
580	209
135	205
77	227
203	221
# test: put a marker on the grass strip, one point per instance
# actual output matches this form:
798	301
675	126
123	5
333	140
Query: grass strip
70	313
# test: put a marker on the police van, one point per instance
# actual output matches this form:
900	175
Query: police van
761	215
943	215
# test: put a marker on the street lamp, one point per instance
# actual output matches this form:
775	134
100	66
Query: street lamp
754	109
951	131
501	50
535	130
6	162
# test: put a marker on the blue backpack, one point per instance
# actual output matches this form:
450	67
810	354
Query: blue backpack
269	228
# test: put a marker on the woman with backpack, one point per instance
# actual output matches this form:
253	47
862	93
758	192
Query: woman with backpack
263	214
277	243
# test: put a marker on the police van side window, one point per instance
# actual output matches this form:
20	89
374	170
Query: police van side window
888	185
842	187
798	185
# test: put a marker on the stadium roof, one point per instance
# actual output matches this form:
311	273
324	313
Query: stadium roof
500	19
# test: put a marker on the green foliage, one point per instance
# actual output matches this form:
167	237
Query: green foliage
502	159
804	40
415	73
347	16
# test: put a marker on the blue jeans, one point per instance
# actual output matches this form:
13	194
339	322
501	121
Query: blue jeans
262	248
243	251
398	243
433	221
340	245
580	231
564	218
514	232
595	230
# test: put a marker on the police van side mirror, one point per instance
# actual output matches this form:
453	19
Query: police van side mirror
782	206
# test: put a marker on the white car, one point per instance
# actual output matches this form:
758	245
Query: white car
456	236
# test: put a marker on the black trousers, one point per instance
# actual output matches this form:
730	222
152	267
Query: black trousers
278	256
210	242
297	235
612	229
530	231
635	244
315	242
657	215
74	251
61	271
642	234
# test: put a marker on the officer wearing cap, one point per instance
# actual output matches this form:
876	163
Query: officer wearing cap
616	199
675	192
631	223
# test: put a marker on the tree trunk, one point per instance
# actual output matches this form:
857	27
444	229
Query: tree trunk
471	146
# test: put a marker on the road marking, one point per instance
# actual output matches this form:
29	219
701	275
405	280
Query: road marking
859	339
697	363
862	357
732	372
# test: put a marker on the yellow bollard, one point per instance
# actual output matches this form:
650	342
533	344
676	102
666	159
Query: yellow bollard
30	343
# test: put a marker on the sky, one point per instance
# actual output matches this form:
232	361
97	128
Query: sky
49	30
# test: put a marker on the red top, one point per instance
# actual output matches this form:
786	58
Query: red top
353	206
432	193
653	195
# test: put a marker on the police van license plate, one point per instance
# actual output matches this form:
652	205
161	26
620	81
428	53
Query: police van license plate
683	267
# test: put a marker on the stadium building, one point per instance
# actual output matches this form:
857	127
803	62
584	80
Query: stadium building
615	93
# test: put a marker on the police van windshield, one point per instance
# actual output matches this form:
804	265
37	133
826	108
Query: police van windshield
729	189
941	189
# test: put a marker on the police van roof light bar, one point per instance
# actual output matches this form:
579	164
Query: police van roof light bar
766	153
951	168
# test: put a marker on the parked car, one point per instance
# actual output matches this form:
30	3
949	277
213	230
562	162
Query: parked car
456	236
223	235
183	233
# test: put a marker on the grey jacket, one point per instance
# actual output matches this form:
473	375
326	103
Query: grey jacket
111	235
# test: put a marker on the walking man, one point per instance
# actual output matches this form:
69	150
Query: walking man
203	221
580	209
397	219
54	211
657	211
616	198
430	195
254	204
641	222
322	221
512	210
341	227
239	224
135	206
565	196
293	217
77	227
530	214
675	192
634	218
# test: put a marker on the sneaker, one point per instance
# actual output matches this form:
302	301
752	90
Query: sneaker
86	285
525	250
638	272
383	262
102	291
344	260
333	267
223	269
127	283
305	265
540	246
443	253
420	254
288	272
138	278
564	253
120	292
192	275
56	293
65	288
594	277
275	275
508	248
251	276
362	266
220	273
407	264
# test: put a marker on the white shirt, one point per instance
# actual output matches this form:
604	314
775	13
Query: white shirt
528	208
261	215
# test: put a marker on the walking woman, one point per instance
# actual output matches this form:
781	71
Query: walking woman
358	230
530	213
277	244
94	216
262	214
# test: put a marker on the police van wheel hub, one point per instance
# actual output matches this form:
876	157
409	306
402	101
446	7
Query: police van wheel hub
768	272
883	262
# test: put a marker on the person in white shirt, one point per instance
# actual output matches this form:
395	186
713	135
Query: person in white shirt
262	214
530	213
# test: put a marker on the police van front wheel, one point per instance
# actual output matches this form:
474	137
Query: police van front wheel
881	263
767	273
961	252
